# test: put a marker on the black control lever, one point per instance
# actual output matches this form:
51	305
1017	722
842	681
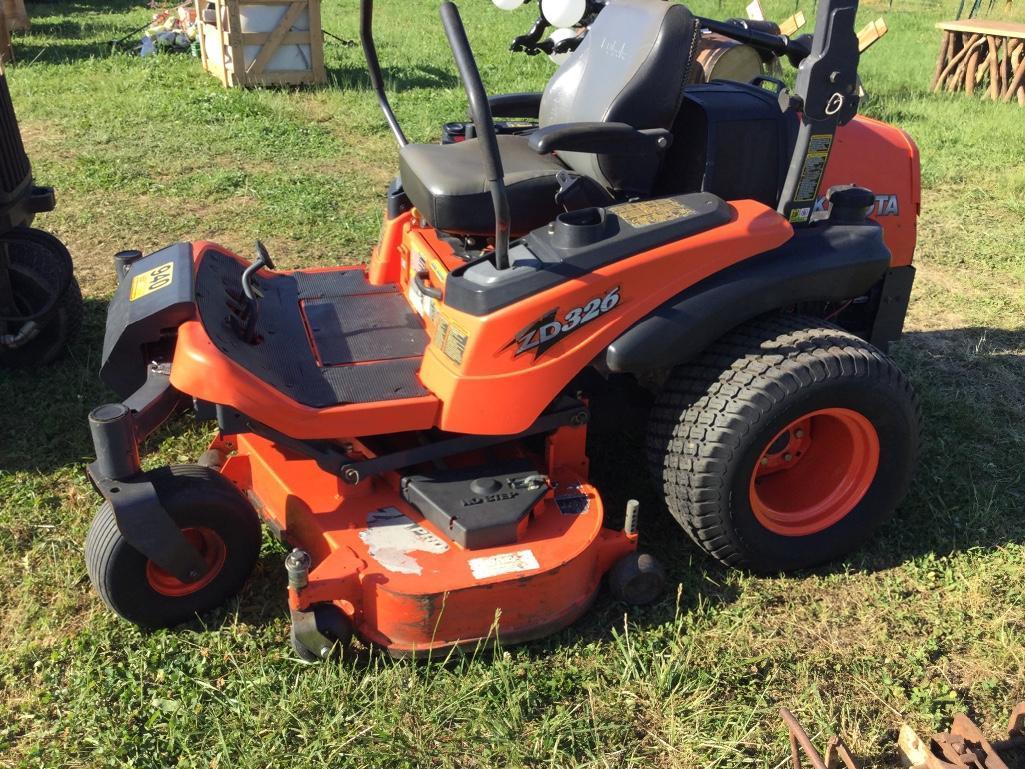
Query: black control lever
245	321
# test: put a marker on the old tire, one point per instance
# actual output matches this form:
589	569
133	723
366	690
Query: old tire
215	517
785	444
42	282
333	625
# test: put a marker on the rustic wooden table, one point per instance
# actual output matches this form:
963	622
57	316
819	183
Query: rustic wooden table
988	55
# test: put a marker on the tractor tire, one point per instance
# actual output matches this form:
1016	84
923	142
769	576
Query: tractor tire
785	444
41	277
215	517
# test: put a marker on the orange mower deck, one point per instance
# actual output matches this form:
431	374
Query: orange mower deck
404	584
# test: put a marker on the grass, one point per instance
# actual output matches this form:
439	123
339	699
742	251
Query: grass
926	621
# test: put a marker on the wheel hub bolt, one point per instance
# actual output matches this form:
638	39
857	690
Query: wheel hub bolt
765	460
798	433
787	457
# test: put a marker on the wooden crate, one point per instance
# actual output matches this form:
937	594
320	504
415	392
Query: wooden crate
225	36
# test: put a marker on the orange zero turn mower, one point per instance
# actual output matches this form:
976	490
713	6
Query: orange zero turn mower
415	429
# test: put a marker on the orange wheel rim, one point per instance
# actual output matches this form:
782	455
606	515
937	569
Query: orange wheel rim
814	472
213	551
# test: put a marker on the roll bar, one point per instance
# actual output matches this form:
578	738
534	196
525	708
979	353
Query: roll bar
366	38
826	94
480	111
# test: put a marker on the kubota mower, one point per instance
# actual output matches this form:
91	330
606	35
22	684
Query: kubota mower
415	430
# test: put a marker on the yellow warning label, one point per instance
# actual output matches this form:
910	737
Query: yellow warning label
151	280
648	212
814	167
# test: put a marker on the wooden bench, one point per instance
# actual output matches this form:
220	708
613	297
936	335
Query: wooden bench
987	55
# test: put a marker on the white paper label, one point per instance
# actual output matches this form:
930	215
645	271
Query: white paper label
504	563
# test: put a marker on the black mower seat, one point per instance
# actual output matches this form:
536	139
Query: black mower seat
367	344
446	183
636	78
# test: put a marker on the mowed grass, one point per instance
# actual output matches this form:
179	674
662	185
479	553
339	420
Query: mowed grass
926	621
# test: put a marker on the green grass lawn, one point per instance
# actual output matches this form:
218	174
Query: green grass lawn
926	621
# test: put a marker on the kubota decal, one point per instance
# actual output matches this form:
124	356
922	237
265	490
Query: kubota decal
885	205
540	335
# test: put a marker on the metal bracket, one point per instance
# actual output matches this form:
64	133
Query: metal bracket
304	624
147	526
117	429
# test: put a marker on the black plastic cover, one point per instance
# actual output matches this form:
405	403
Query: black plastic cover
826	262
478	507
730	139
139	328
630	228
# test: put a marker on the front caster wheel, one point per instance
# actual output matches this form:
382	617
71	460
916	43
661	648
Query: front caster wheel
322	633
214	517
637	579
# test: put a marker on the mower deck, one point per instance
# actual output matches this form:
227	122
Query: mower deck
404	582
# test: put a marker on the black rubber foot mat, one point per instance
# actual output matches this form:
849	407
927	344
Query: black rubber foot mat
355	329
380	361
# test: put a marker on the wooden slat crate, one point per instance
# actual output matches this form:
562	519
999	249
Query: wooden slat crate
246	59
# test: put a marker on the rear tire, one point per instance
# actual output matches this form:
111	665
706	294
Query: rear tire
785	444
216	518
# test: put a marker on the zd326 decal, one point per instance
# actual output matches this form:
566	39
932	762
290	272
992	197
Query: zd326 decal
543	333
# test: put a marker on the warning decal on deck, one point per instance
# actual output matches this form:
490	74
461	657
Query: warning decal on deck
648	212
391	536
503	563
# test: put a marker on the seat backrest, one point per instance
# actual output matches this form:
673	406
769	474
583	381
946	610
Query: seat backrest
630	68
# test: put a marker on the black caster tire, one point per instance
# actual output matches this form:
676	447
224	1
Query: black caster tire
40	267
333	625
785	444
637	579
216	518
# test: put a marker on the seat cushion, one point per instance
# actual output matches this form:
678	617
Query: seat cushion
630	68
446	183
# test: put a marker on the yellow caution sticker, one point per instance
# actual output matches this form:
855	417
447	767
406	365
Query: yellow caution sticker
648	212
151	280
